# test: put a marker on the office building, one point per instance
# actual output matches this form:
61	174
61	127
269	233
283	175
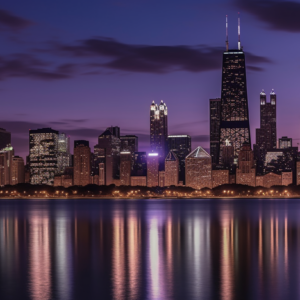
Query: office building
266	135
138	180
159	131
219	177
298	172
109	147
161	178
43	148
115	130
5	138
125	167
285	142
17	170
82	163
234	124
198	169
152	169
130	143
140	164
245	173
215	119
181	145
63	153
171	169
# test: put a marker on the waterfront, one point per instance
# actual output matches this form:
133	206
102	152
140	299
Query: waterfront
150	249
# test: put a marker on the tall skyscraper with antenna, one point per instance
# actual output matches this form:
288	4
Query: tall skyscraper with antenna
234	123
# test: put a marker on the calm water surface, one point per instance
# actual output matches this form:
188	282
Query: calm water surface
149	249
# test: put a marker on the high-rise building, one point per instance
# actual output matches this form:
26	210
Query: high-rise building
6	158
234	125
215	119
171	169
245	173
109	146
43	146
138	180
125	167
181	145
115	130
285	142
5	138
140	164
152	169
82	163
17	170
266	135
159	131
63	154
130	143
198	169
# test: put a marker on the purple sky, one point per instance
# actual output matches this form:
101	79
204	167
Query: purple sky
82	66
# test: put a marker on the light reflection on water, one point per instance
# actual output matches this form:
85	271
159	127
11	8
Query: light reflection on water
149	249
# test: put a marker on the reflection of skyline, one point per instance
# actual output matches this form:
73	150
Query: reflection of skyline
218	253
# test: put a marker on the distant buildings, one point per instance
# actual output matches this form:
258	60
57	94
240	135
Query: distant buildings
285	142
130	143
43	148
159	131
63	153
125	167
17	170
5	138
6	160
215	119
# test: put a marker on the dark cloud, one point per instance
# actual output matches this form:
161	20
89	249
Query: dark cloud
150	59
256	69
279	15
10	21
201	138
24	65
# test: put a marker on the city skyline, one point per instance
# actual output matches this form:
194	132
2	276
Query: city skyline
41	89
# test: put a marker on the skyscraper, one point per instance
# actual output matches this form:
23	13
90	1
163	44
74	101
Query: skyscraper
181	145
266	135
130	143
63	154
234	125
6	158
215	118
17	170
159	131
285	142
109	145
152	169
5	138
82	163
43	145
140	164
171	169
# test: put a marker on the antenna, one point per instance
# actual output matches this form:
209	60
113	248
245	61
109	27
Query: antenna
226	33
239	32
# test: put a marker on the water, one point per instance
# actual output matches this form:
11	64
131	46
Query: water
150	249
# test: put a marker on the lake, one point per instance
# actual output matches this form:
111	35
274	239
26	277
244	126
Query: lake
150	249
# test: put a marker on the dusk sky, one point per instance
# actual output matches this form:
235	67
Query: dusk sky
81	66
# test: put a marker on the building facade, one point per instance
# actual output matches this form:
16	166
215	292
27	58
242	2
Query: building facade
152	169
82	163
17	170
171	169
159	131
43	149
125	167
63	153
285	142
130	143
198	169
5	138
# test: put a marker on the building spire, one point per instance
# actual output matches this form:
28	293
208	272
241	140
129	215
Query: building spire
226	33
239	32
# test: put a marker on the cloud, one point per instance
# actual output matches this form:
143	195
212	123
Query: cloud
278	15
201	138
25	65
10	21
113	54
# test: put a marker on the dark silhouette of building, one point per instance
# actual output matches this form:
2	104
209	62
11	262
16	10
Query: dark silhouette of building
43	147
140	164
234	125
109	147
82	163
266	135
63	153
215	118
130	143
125	167
115	130
5	138
159	131
181	145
